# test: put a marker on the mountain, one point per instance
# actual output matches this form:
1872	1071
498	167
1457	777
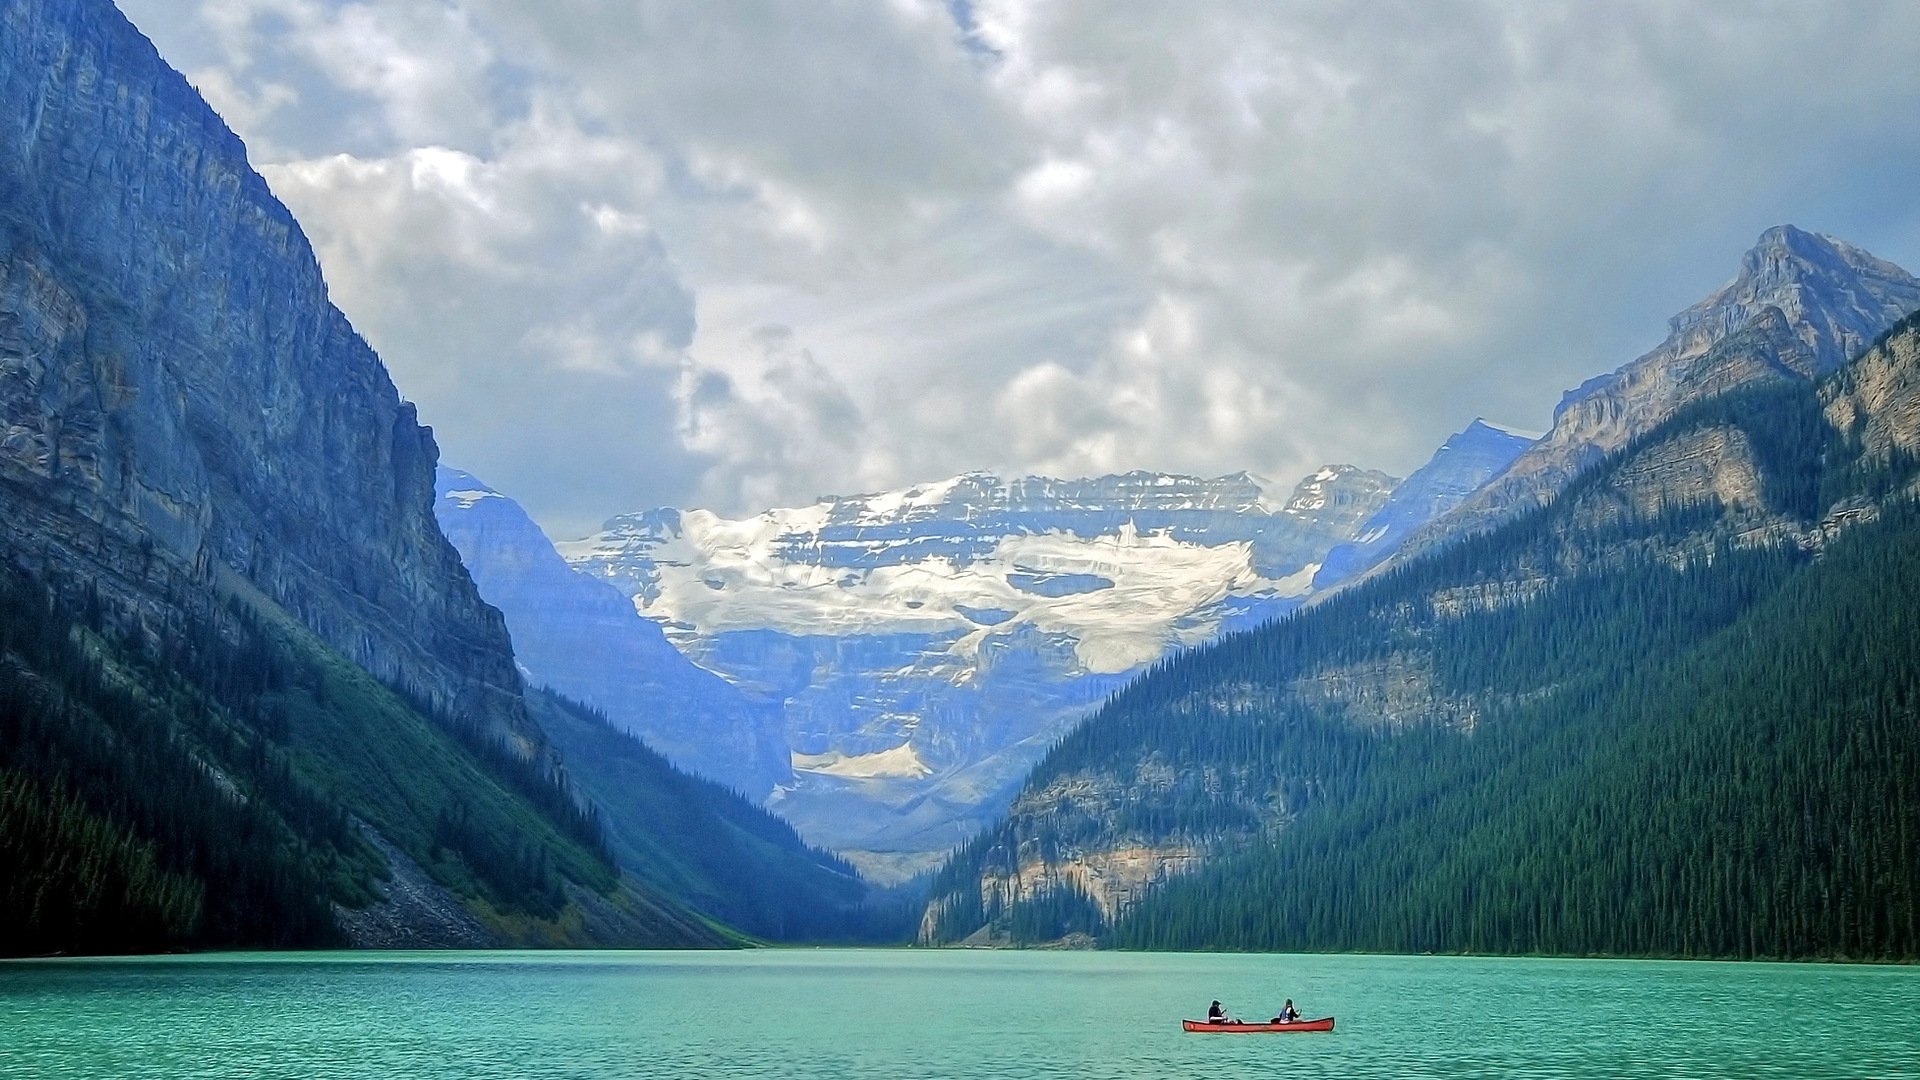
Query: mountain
249	696
176	381
926	645
583	638
1670	712
252	696
1463	464
1800	305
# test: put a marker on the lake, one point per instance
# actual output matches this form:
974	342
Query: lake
847	1014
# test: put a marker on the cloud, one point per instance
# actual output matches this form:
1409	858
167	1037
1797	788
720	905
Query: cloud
741	254
1391	217
777	422
523	300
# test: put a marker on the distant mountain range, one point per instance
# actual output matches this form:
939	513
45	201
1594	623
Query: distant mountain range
902	658
913	652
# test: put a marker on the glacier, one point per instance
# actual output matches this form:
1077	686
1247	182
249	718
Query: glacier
925	645
882	669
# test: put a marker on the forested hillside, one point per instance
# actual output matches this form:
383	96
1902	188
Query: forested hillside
249	695
235	783
1672	713
711	847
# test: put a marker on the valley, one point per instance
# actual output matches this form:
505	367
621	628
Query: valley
277	674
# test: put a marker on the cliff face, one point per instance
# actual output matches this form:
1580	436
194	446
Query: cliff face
183	413
1800	306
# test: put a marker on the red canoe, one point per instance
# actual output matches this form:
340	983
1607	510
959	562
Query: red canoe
1325	1023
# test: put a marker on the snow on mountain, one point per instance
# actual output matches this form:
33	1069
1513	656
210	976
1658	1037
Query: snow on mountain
924	645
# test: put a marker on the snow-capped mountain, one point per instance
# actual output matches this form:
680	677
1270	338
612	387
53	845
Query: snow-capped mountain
925	645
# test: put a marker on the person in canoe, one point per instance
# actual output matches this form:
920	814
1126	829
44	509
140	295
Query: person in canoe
1288	1014
1217	1015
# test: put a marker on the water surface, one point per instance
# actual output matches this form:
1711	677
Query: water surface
854	1014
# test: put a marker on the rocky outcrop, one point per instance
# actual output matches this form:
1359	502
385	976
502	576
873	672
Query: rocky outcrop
1800	307
180	404
1877	399
1114	878
1711	463
413	912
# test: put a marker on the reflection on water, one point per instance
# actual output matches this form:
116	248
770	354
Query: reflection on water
854	1014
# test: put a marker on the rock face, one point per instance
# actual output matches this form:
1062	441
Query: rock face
1877	400
1800	307
182	411
925	646
582	637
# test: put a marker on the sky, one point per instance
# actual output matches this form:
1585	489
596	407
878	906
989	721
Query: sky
739	254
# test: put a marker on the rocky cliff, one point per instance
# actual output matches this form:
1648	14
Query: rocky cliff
253	666
1800	305
182	410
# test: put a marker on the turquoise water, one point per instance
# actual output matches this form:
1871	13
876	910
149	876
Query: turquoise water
851	1014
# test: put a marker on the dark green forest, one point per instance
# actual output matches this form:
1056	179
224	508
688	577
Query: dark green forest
215	787
207	787
1685	739
1754	795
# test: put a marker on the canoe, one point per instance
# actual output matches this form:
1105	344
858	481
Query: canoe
1325	1023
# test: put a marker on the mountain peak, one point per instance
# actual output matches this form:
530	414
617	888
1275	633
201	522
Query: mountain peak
1813	249
1801	305
1790	237
1812	278
1483	428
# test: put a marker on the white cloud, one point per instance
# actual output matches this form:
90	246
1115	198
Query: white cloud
777	419
521	299
1070	237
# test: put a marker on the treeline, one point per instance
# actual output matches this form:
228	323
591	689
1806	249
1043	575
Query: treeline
1636	730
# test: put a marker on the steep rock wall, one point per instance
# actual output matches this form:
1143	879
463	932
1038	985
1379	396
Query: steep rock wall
1800	306
180	403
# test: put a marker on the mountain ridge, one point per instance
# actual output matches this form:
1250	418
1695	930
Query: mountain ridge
582	638
991	613
1799	306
